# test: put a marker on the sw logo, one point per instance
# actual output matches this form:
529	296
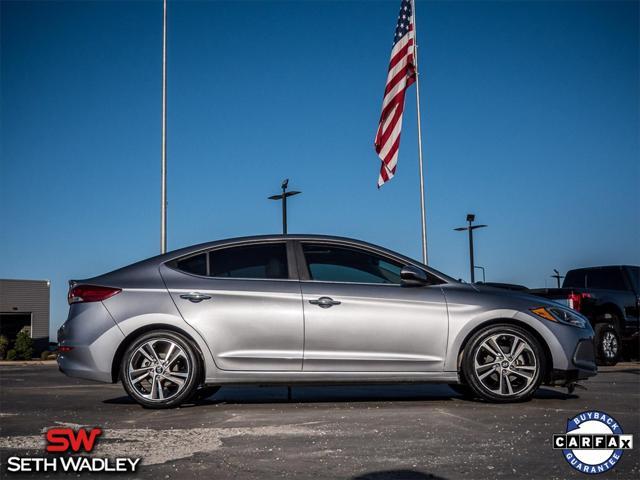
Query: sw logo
65	439
593	443
69	441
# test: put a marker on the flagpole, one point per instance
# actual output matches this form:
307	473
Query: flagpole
163	188
423	218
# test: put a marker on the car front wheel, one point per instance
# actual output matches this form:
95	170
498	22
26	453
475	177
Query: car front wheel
503	363
204	391
160	369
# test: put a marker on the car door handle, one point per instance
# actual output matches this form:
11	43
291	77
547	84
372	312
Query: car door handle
195	297
324	302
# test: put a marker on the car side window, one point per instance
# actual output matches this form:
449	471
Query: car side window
574	279
330	263
634	276
606	279
196	264
267	261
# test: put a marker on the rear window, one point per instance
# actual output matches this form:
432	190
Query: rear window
267	261
610	278
196	264
574	279
606	279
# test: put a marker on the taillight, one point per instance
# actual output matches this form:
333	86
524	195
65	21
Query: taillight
90	293
575	300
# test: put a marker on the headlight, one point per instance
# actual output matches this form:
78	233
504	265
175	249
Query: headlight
561	315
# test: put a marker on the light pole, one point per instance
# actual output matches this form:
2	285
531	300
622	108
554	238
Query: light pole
163	145
470	228
557	276
484	279
283	196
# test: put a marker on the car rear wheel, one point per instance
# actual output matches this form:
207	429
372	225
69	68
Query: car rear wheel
607	344
503	363
160	369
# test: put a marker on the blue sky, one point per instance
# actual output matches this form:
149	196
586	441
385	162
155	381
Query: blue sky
530	120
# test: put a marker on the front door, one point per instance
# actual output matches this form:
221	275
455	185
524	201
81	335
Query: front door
359	318
243	302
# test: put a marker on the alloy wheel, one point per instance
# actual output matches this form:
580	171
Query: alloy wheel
159	369
610	345
505	364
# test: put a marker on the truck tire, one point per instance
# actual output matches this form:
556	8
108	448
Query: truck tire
608	344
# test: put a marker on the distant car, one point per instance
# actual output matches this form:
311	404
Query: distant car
308	309
609	297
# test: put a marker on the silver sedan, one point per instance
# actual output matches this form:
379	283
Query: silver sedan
303	309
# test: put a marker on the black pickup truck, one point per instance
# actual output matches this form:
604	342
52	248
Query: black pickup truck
610	298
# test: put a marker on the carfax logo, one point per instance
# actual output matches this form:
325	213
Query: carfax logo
593	442
67	440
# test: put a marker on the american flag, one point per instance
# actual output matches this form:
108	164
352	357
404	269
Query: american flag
402	73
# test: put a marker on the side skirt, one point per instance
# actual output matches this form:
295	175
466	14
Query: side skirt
328	378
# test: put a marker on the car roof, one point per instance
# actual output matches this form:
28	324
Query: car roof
281	237
600	267
152	263
274	237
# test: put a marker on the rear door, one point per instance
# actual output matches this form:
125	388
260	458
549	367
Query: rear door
613	286
632	310
245	302
359	318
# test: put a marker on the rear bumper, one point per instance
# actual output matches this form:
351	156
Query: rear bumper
79	363
93	336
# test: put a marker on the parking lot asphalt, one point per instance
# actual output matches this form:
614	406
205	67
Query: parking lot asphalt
372	432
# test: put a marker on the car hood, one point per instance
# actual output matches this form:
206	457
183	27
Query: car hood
510	298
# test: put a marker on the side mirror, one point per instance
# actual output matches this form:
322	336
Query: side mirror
413	276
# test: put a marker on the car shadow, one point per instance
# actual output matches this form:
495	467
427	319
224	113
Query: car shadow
545	393
123	400
398	475
252	395
606	370
331	394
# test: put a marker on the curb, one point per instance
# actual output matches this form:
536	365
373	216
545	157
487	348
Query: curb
26	363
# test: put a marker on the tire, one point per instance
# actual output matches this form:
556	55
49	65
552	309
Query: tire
150	380
204	391
462	389
500	377
608	345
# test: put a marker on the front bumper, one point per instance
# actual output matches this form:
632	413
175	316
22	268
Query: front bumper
583	363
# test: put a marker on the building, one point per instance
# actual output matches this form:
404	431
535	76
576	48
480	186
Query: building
25	303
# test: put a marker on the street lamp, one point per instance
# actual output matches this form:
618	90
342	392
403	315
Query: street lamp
283	196
470	228
557	276
484	279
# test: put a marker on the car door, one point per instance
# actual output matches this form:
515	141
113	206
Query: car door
632	309
358	317
611	286
245	301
